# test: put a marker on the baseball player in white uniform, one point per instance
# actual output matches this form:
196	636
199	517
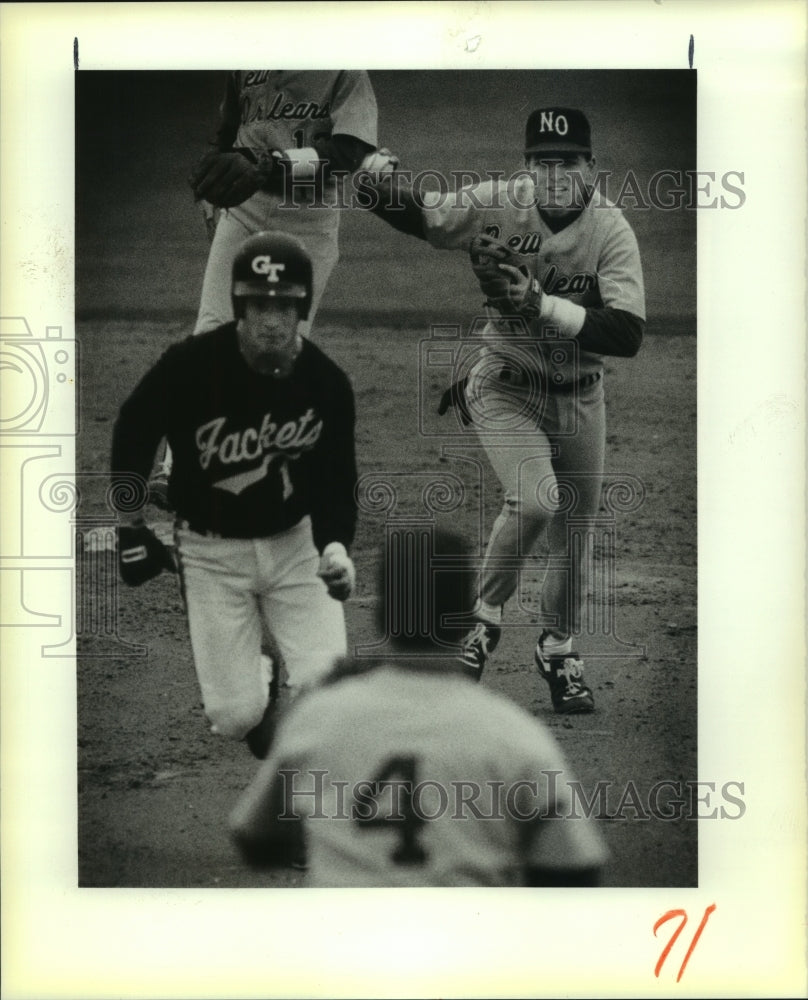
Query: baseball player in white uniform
261	425
401	772
285	141
560	270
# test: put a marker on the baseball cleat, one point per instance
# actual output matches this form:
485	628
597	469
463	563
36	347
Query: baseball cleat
259	738
565	675
478	645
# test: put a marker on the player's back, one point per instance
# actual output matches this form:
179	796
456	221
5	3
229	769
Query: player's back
422	778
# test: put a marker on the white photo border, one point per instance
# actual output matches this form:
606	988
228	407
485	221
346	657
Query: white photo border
60	941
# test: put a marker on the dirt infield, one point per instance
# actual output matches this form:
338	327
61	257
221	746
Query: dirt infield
155	787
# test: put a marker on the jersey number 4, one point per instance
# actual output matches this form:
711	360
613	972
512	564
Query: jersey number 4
397	814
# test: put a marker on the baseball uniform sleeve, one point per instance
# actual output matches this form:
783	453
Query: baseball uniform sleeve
559	844
334	511
229	114
447	220
143	419
561	840
617	329
620	277
353	107
564	846
452	219
344	152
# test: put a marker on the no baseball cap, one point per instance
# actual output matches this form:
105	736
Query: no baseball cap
558	130
423	585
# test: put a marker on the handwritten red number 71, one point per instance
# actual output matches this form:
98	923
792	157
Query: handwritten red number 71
666	950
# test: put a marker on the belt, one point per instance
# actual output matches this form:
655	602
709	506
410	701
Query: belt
182	525
584	382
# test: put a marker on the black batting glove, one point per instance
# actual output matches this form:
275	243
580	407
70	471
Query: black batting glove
141	555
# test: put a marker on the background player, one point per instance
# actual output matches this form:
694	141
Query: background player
401	795
560	270
261	425
283	139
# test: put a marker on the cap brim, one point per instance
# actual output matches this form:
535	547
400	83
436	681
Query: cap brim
274	290
559	147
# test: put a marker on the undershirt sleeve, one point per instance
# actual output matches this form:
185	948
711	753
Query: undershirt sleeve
613	332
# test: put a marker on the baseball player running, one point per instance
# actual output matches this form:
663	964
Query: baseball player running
283	141
560	270
374	773
261	425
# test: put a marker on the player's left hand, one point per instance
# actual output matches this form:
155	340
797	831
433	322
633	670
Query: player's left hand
141	554
337	571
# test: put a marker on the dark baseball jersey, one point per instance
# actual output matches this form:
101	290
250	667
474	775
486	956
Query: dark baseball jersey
252	454
415	777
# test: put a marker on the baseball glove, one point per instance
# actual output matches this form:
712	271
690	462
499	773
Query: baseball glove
141	555
455	396
228	178
487	253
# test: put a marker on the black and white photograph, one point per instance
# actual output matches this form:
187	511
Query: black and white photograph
398	549
560	459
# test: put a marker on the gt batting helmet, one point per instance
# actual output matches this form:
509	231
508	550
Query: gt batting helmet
274	265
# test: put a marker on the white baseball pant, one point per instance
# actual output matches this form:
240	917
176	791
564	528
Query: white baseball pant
317	228
233	588
548	452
